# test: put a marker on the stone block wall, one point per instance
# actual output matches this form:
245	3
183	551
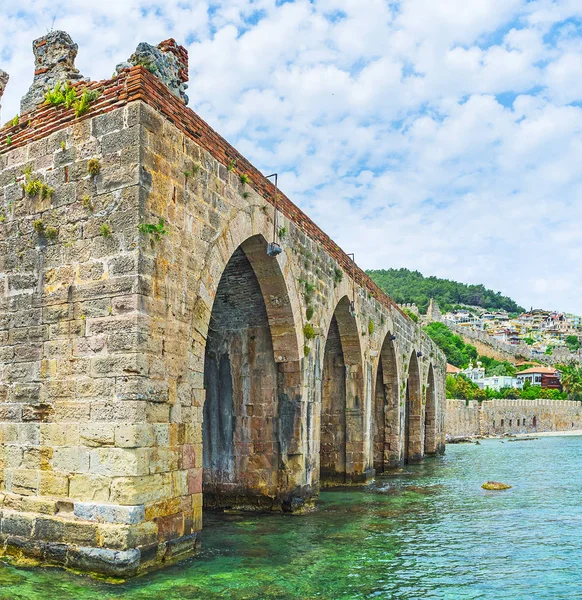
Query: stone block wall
76	444
145	334
498	417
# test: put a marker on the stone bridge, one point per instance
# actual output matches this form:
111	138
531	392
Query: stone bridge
156	352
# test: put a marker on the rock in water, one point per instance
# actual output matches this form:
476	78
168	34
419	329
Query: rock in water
495	485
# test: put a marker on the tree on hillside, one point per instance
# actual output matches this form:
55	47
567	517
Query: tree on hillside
457	352
573	343
406	286
572	380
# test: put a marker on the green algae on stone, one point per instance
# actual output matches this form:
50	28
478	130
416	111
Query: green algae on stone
495	485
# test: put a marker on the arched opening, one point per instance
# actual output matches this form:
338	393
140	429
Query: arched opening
386	416
413	445
430	415
342	456
253	391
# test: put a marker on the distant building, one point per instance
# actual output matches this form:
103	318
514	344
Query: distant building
452	370
499	382
474	373
546	377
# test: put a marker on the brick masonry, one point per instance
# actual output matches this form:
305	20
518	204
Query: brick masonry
117	345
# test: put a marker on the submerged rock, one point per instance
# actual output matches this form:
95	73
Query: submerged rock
495	485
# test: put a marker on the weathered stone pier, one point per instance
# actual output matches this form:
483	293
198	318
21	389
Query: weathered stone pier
154	356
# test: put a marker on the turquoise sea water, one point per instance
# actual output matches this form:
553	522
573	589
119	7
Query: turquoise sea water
427	532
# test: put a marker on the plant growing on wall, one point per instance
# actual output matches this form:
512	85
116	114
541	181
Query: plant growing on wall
46	191
105	230
244	178
61	95
309	291
87	204
82	104
156	230
371	326
35	187
306	350
309	331
38	226
282	233
338	276
309	313
8	140
193	171
51	233
94	167
231	165
15	121
147	64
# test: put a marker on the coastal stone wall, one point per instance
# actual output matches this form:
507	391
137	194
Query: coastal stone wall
155	356
498	417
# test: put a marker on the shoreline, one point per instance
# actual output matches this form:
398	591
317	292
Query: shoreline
567	432
461	439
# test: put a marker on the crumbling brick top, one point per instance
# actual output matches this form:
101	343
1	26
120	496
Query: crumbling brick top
137	83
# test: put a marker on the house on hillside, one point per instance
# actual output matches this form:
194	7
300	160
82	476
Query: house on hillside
498	382
546	377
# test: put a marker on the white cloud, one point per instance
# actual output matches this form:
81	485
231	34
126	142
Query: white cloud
441	136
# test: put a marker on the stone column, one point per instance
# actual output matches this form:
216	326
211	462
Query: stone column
54	62
3	82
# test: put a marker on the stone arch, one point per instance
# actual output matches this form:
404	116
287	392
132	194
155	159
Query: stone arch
342	454
276	281
386	413
252	381
413	444
430	415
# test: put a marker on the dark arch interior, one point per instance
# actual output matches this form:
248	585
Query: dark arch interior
379	423
333	408
386	418
430	418
240	448
413	446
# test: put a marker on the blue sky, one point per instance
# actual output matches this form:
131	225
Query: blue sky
439	136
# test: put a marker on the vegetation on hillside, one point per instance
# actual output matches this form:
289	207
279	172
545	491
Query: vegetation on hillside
407	287
460	355
572	380
573	343
463	388
457	352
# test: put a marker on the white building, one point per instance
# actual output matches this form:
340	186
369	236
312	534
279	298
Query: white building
499	382
535	374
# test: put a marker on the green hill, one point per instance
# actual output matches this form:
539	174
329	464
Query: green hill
406	286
